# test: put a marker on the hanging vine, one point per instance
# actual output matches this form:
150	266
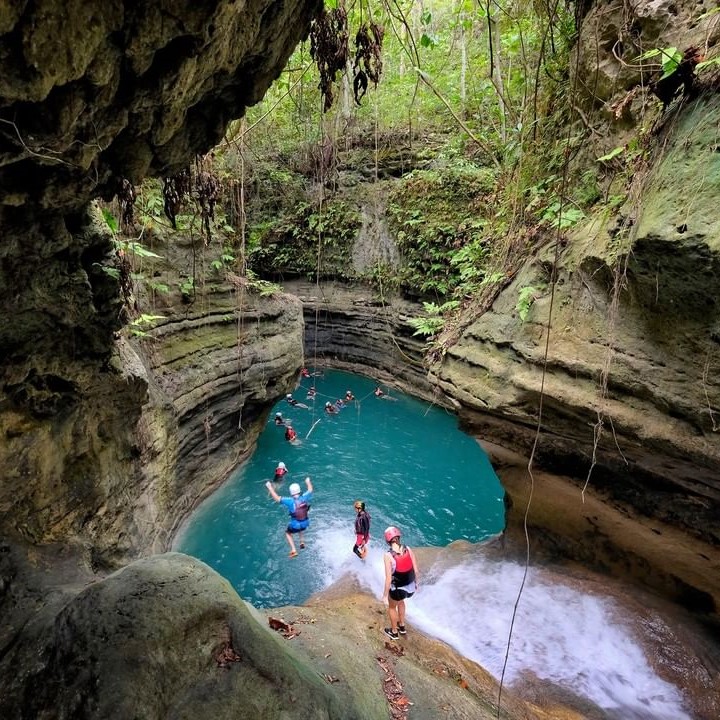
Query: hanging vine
368	58
329	49
176	191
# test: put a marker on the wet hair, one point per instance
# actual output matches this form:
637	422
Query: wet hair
360	504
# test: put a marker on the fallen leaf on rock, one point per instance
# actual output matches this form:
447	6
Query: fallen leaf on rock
394	649
286	629
392	687
226	655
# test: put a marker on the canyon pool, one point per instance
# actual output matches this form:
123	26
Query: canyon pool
412	466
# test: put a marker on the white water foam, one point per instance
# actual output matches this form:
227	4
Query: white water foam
562	635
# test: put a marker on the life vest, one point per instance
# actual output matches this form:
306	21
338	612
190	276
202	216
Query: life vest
279	472
301	510
362	523
290	434
402	566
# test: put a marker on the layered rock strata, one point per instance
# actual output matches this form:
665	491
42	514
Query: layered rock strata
628	379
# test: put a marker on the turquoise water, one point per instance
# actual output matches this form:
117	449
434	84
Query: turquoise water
414	469
406	459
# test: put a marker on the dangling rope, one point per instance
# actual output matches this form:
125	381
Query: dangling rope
321	177
546	352
243	270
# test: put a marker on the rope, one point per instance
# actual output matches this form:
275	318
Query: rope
243	272
546	352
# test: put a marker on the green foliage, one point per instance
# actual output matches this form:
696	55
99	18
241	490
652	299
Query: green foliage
612	154
562	217
295	241
139	326
187	288
433	321
669	59
264	288
110	220
434	217
526	297
136	248
226	259
113	272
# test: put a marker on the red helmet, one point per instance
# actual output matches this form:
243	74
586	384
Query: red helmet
391	533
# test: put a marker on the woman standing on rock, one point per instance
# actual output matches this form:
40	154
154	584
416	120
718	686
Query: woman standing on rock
400	581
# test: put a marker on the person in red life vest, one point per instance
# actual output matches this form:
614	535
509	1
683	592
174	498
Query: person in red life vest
280	472
401	573
304	372
330	409
349	397
378	392
362	529
290	434
298	506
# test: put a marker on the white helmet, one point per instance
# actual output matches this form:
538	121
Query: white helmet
294	489
281	465
278	414
288	396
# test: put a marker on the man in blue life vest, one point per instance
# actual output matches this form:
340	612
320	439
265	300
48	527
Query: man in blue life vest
401	573
298	506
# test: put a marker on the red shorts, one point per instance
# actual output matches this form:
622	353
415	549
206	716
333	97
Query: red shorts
361	540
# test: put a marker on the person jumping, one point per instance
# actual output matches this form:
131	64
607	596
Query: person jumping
298	507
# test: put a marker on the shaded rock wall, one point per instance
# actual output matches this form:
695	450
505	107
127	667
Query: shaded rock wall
355	329
633	352
215	368
92	94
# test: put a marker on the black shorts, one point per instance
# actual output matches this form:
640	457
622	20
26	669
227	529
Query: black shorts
400	594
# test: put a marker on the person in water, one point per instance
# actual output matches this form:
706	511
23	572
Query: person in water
362	529
290	433
280	472
312	392
298	507
378	391
339	404
349	397
279	419
304	372
330	408
292	401
401	573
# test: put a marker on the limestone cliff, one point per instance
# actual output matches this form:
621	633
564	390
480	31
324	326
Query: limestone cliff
93	94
